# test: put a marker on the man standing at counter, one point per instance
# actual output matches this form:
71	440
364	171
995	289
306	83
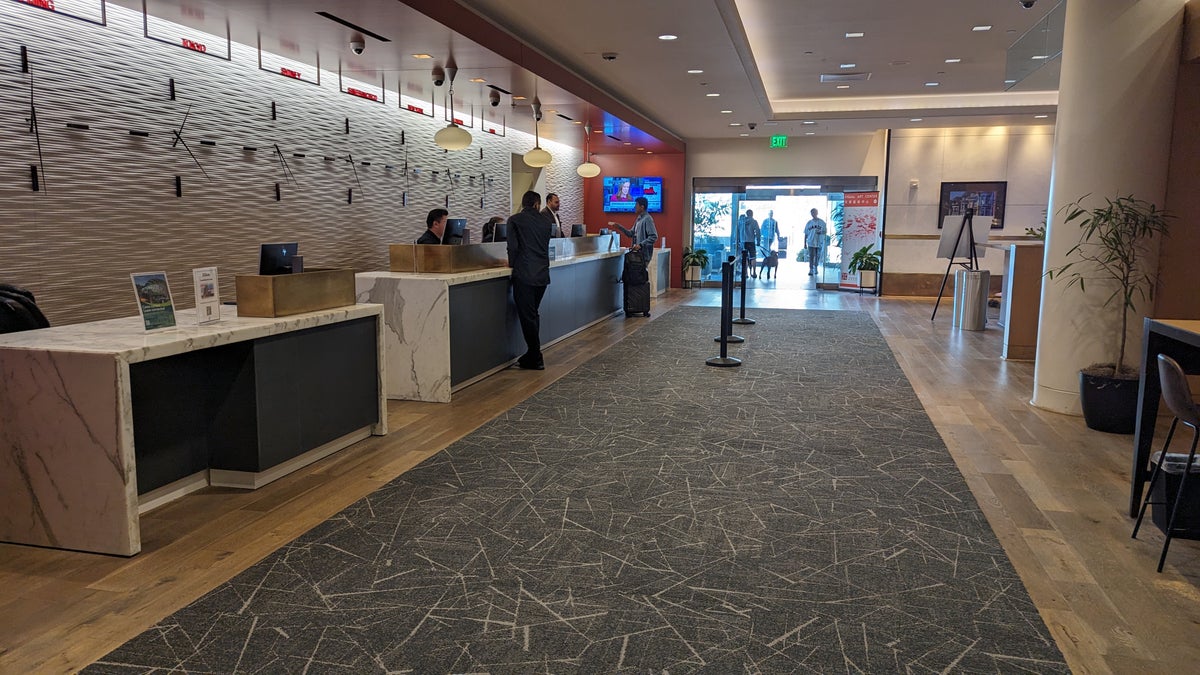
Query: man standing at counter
529	258
551	213
643	233
435	226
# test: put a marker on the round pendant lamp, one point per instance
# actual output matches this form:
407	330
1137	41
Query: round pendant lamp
452	137
588	169
537	157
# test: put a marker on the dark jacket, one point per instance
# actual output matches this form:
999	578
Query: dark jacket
555	230
428	238
529	248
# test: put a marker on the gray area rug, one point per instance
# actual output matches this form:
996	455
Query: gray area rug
647	513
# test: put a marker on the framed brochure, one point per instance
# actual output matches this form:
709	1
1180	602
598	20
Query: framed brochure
154	299
208	301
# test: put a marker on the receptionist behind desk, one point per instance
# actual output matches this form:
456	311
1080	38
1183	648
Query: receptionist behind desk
435	226
495	230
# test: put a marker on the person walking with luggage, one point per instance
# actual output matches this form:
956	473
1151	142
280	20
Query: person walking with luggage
529	258
814	239
637	282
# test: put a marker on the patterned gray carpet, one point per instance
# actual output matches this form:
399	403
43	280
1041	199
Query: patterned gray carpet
649	514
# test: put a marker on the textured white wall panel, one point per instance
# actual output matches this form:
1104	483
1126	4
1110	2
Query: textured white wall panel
109	207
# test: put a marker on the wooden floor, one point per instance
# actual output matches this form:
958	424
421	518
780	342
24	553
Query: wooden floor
1054	491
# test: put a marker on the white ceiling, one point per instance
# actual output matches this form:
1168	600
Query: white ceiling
764	58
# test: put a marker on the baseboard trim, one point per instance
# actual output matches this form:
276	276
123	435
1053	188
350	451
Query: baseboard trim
252	480
172	491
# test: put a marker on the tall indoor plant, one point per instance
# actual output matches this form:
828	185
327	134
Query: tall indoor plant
1114	242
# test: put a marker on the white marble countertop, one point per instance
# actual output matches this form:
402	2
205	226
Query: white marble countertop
126	339
456	278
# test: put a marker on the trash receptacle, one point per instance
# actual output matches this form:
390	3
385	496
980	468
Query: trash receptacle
970	298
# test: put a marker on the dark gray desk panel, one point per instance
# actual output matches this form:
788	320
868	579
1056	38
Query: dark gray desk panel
485	332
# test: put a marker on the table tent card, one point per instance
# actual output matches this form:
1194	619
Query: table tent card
154	299
208	301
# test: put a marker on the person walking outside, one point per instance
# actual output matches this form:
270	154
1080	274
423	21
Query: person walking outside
814	239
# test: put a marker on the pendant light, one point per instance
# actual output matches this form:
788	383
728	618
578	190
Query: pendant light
537	157
588	169
452	137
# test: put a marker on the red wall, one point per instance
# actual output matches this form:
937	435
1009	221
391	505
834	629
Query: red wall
669	223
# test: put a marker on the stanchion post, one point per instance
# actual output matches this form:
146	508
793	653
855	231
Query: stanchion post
742	320
724	360
727	299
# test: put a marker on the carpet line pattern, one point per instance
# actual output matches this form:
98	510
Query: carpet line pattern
646	513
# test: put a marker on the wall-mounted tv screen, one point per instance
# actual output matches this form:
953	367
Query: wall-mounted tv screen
619	193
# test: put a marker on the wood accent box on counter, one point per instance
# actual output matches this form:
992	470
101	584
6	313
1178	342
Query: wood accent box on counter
447	259
277	295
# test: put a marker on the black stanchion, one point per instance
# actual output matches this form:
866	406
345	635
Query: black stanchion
746	263
727	299
725	360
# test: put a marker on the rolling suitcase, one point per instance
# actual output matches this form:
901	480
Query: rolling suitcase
637	285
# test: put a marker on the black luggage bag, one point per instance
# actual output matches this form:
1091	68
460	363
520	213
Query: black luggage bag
637	285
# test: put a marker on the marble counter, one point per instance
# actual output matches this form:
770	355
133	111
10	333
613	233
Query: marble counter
417	334
67	460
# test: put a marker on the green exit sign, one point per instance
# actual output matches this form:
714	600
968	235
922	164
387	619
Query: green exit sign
779	141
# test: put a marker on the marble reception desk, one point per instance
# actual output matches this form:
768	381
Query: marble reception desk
103	420
446	330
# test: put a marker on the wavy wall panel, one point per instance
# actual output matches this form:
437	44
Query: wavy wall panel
110	208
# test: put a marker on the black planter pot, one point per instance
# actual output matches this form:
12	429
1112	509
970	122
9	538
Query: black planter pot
1109	404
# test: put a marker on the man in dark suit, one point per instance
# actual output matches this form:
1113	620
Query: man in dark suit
551	214
435	226
529	258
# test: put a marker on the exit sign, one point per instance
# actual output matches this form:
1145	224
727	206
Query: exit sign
779	141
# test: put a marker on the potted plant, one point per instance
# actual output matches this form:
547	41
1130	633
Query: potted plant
866	262
694	261
1113	243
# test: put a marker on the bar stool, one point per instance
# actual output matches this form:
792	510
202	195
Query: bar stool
1178	397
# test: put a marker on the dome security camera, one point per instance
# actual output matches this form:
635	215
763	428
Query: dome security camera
494	98
439	76
357	45
609	56
1027	4
752	125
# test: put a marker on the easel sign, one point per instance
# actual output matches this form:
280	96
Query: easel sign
953	231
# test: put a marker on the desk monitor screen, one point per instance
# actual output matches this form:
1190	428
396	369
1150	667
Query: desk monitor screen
276	258
578	230
454	231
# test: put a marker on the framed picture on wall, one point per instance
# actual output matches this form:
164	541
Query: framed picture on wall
984	198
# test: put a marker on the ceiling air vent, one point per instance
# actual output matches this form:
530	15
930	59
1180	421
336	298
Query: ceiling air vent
500	89
347	24
845	77
614	138
565	117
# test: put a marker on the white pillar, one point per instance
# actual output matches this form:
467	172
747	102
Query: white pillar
1116	95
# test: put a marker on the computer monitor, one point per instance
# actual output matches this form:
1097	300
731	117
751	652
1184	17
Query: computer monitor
454	231
277	258
578	230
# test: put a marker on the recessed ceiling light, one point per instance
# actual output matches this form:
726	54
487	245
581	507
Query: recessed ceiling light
743	134
695	71
552	112
726	112
598	131
809	122
713	95
854	35
668	36
479	80
649	152
735	124
916	119
810	133
1010	82
980	29
421	56
576	122
847	65
953	60
843	86
628	143
1040	117
1039	57
932	84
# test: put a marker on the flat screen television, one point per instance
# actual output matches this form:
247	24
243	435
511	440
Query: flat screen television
621	191
277	258
454	231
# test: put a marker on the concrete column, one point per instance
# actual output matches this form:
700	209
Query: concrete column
1119	65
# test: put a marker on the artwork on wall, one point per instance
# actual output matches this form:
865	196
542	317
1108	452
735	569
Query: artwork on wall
984	198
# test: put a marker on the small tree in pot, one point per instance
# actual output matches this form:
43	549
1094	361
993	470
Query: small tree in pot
1113	244
866	262
694	262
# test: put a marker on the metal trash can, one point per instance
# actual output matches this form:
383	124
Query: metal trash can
970	298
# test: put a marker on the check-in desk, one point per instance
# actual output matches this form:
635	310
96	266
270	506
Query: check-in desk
445	330
102	421
1022	297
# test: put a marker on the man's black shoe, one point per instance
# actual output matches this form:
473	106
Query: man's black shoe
531	366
